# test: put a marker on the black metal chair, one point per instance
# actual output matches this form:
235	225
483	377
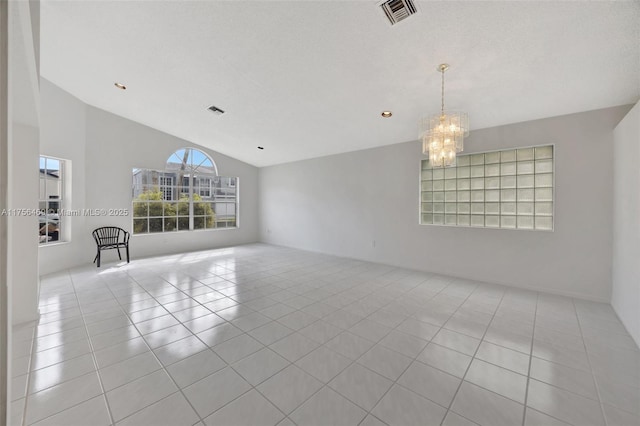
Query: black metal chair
111	237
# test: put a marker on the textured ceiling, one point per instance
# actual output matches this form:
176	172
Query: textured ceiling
307	79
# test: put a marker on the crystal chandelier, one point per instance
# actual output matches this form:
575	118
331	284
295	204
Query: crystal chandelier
443	134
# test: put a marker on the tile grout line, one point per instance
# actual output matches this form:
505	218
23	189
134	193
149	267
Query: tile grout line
533	334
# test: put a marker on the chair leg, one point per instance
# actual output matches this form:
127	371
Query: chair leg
98	258
94	259
119	256
127	247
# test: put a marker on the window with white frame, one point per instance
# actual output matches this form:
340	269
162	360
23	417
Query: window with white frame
51	198
501	189
187	195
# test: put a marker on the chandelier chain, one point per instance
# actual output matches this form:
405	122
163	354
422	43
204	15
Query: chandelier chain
442	99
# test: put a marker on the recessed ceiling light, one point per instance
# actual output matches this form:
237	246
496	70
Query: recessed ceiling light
120	86
386	114
261	147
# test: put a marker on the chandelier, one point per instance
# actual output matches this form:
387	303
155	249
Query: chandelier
443	134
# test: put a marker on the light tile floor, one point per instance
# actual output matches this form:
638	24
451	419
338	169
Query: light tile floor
264	335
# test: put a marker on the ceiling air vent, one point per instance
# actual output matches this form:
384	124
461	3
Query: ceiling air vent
398	10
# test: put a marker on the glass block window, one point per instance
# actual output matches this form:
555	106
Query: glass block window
500	189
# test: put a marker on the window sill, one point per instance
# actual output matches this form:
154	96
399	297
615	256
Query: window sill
57	243
184	232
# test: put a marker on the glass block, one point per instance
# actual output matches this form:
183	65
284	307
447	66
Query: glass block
544	152
525	154
450	196
464	196
544	180
509	155
427	207
438	219
507	169
450	185
450	173
492	195
508	195
477	159
508	182
438	207
507	221
544	166
477	196
492	221
425	165
477	171
464	208
477	220
427	196
426	185
438	173
492	183
462	160
477	183
464	184
525	222
463	172
525	209
492	157
438	197
427	174
464	220
525	167
492	170
544	209
526	181
477	208
525	194
450	219
544	194
492	208
544	223
508	208
427	219
438	185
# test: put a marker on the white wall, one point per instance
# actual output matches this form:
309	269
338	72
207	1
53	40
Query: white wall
63	135
364	205
104	148
625	296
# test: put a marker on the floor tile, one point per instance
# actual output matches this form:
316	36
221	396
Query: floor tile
61	372
270	333
166	336
173	410
297	320
328	408
456	341
497	379
259	366
370	330
139	394
431	383
215	391
219	334
445	359
384	361
121	351
251	321
250	409
349	345
60	397
128	370
486	408
195	367
504	357
563	405
406	344
616	417
93	412
58	354
178	350
417	328
323	364
361	385
567	378
203	323
294	346
400	406
536	418
237	348
453	419
289	388
320	331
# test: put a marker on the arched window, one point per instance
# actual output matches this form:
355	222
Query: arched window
188	195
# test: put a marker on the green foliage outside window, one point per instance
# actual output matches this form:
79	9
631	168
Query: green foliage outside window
170	215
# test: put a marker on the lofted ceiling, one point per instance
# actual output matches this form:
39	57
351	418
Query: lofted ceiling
310	78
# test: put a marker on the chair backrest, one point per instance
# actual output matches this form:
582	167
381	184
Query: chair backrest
108	234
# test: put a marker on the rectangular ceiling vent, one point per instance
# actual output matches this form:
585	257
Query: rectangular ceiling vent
398	10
